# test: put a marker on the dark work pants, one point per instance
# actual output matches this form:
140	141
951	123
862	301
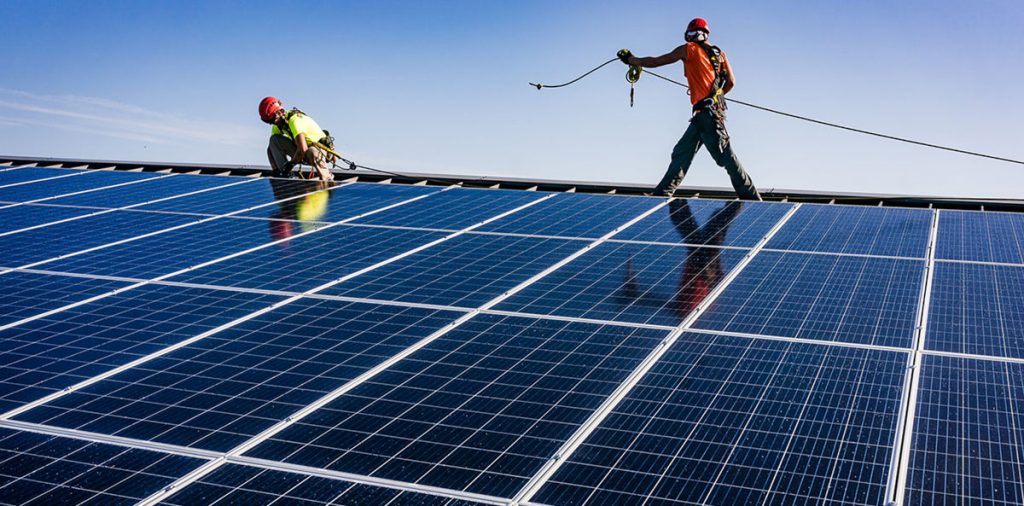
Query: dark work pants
707	129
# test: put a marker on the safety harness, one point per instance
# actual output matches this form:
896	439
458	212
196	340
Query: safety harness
327	141
715	99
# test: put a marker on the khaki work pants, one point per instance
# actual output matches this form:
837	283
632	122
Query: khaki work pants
282	147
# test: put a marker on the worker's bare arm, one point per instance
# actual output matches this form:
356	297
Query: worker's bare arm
677	54
730	80
300	147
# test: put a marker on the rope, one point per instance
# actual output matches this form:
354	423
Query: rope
812	120
353	166
591	71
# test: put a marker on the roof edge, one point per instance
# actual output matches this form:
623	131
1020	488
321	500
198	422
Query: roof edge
775	194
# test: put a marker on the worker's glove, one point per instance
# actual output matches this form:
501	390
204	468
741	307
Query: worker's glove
624	55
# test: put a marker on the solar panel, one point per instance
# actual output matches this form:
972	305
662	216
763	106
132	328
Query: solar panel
18	176
574	215
969	434
629	282
148	190
466	271
729	420
479	410
86	182
229	387
21	217
703	222
986	237
828	297
342	203
48	354
37	469
27	294
864	230
43	245
237	197
235	484
185	339
977	309
306	262
452	210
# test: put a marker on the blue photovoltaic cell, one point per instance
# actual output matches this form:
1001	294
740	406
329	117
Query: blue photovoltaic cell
152	189
50	242
23	216
574	215
224	389
466	271
8	177
480	409
51	353
175	250
827	297
977	309
89	181
856	229
241	197
26	294
968	437
627	282
310	261
708	222
344	202
981	236
728	420
40	470
454	209
252	486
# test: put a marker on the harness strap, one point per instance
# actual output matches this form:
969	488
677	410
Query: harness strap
714	98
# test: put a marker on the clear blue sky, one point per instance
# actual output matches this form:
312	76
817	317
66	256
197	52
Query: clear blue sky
441	86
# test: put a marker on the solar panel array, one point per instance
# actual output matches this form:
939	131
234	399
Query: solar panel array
182	339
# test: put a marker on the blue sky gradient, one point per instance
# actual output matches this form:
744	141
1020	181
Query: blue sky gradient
441	86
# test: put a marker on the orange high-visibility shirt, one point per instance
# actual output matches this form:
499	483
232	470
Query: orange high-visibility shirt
700	74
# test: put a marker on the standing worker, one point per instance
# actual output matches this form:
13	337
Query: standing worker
292	140
710	78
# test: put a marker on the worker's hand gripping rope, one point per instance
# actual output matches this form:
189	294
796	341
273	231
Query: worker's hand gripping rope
632	75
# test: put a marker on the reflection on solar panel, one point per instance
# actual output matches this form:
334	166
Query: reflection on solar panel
183	339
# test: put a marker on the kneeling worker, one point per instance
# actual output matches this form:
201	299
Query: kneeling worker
291	140
710	77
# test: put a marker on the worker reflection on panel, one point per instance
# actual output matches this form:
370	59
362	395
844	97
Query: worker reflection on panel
302	211
701	271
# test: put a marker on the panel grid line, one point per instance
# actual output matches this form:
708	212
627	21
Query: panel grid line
90	190
522	314
977	262
272	465
746	424
158	278
326	399
14	412
101	210
158	232
19	183
577	439
899	471
692	367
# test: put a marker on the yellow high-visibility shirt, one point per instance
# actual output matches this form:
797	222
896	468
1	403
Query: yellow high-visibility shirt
299	123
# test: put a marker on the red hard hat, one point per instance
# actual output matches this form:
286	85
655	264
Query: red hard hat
268	106
698	24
